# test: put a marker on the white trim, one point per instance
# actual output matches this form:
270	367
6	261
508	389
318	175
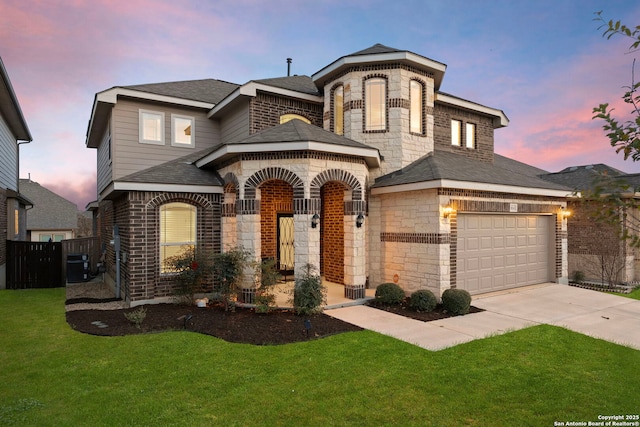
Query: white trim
502	120
111	96
230	149
379	57
466	185
141	139
173	131
251	90
178	188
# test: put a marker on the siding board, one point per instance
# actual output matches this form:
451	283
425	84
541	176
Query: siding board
8	157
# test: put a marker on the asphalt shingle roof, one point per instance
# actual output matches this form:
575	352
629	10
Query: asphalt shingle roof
207	90
50	211
450	166
181	171
299	131
302	84
587	177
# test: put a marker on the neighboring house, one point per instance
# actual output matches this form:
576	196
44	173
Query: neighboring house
13	132
595	248
382	178
53	218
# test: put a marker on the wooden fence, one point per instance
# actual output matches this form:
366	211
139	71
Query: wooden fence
43	264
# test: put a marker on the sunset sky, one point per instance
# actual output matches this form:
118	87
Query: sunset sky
543	62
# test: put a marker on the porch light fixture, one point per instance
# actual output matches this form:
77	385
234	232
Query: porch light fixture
447	210
359	220
565	213
315	220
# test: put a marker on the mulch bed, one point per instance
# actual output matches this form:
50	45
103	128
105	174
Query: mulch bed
243	325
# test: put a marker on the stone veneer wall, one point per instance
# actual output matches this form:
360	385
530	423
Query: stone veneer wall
443	114
265	111
3	238
410	240
396	143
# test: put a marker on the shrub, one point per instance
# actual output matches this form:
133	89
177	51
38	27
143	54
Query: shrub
137	316
309	293
191	269
423	300
456	301
389	293
228	268
577	277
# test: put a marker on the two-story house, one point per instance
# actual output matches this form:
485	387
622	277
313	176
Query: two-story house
365	169
13	132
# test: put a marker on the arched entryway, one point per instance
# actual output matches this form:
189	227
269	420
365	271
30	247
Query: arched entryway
276	223
332	232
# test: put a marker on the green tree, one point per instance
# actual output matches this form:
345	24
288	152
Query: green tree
619	207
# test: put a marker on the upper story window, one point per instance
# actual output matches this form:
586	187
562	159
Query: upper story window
456	132
375	98
470	135
177	231
151	127
182	131
416	109
338	110
288	117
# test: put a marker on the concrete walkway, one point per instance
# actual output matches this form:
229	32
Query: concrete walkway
599	315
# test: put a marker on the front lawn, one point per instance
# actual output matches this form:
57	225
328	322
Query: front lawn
635	294
53	376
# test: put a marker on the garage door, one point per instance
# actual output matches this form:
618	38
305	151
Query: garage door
498	252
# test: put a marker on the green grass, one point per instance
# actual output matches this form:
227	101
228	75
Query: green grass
51	375
635	294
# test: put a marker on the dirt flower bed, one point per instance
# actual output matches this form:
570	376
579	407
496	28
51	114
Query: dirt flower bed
404	310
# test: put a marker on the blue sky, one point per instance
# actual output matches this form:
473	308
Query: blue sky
543	62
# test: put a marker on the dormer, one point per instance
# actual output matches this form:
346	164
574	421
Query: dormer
383	97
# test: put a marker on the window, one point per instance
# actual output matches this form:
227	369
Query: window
16	222
456	132
470	135
52	237
338	110
151	127
375	95
415	118
288	117
177	230
182	131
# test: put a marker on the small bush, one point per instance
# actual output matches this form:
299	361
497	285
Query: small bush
423	300
137	316
265	303
389	293
309	293
577	277
456	301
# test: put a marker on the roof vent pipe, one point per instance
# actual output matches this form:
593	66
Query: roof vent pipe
289	66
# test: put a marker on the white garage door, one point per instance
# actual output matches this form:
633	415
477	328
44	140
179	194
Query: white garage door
498	252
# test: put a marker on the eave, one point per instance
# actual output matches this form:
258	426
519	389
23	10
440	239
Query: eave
371	156
500	119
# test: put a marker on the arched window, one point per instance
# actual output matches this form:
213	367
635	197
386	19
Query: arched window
177	231
288	117
338	110
375	96
416	109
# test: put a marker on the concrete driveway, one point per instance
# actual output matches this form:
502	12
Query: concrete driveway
597	314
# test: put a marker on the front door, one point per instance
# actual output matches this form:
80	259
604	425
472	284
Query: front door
285	243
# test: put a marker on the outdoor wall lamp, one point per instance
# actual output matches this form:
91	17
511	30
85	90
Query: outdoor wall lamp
446	211
315	220
565	213
359	220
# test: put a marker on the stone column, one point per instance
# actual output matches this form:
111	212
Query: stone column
355	259
306	243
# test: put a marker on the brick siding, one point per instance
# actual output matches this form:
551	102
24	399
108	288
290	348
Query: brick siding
332	232
3	226
484	132
265	111
276	197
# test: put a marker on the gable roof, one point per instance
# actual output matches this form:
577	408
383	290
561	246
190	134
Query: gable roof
207	90
294	135
302	84
446	169
588	177
380	54
10	107
50	211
